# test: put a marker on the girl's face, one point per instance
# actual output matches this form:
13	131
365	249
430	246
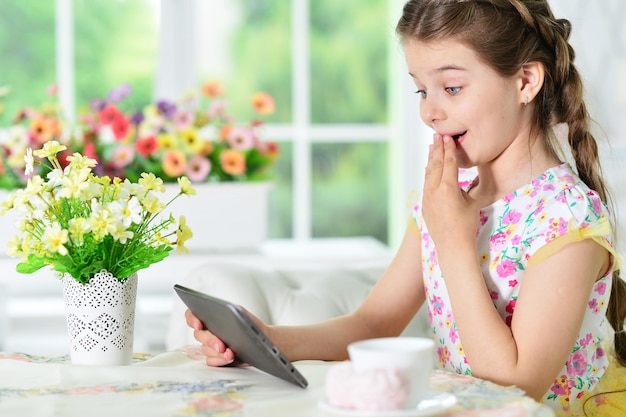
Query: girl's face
462	97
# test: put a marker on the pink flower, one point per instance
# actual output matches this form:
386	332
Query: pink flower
437	304
586	340
512	217
577	363
600	287
497	241
241	138
198	168
183	119
454	336
122	156
506	268
593	306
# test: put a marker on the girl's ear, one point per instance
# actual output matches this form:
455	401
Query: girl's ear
531	77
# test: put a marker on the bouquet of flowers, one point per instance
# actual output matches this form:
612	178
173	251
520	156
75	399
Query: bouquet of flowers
32	127
79	223
195	137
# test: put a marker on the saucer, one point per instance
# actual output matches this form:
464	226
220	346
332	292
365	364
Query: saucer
435	403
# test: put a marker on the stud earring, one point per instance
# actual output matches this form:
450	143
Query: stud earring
526	101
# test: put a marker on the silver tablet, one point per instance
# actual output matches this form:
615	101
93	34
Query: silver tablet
230	323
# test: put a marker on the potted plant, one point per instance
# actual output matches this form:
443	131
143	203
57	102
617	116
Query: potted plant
197	136
96	233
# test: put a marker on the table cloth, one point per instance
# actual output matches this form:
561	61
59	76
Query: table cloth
179	384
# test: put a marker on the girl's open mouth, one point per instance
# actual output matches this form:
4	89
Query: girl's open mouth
458	136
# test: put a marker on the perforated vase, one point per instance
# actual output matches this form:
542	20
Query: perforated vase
100	319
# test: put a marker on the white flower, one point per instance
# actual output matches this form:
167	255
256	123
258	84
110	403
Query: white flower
29	161
74	185
106	134
54	177
127	211
122	234
102	224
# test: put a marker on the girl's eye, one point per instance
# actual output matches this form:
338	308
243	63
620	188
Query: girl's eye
453	91
422	93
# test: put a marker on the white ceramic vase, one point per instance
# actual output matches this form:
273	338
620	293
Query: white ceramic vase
100	319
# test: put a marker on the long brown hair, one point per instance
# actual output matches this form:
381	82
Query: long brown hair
506	34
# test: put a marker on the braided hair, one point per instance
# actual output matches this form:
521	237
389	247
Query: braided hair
506	34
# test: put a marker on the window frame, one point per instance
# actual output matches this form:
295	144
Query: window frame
404	132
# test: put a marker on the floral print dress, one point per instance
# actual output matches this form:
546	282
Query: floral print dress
523	228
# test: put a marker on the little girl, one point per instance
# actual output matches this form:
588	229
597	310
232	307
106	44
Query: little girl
514	257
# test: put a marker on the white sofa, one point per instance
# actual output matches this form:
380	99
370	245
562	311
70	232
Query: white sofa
284	294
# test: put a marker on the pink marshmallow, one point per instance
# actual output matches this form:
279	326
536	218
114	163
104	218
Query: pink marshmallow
376	389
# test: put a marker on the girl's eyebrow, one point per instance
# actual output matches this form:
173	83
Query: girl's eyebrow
444	68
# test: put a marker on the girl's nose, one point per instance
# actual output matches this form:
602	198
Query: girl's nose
431	111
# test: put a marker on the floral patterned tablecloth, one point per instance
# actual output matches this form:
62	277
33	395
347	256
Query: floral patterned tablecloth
179	384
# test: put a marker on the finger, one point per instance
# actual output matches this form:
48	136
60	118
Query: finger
216	360
209	339
434	167
450	164
193	321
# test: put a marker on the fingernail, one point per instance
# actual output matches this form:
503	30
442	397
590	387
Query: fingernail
430	148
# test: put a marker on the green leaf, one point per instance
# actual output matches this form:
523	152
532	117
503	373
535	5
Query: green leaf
32	264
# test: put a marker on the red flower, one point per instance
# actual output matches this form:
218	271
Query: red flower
146	146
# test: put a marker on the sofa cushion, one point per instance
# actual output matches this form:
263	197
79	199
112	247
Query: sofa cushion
285	295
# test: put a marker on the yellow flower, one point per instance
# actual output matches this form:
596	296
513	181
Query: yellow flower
102	224
151	182
166	141
74	184
14	247
79	161
54	239
78	227
185	186
183	234
191	138
152	204
49	149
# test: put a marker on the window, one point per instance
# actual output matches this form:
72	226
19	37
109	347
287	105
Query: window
327	63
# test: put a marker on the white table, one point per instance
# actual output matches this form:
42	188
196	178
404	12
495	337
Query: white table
174	384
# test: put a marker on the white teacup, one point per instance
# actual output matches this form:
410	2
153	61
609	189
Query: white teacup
411	356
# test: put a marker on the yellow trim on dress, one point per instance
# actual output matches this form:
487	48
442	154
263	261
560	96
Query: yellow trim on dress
595	231
413	228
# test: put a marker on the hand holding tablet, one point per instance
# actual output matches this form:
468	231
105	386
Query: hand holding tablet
229	322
